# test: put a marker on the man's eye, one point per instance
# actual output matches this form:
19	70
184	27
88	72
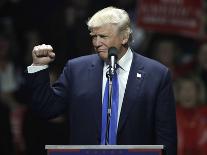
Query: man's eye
93	37
103	36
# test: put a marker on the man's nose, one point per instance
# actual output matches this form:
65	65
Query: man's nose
97	42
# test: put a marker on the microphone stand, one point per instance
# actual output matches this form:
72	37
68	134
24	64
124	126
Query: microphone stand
109	75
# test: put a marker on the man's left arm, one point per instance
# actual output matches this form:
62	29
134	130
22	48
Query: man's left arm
165	125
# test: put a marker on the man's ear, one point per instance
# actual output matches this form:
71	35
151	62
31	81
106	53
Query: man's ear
125	38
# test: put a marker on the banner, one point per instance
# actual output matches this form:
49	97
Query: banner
174	16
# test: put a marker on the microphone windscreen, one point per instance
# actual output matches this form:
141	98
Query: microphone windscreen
112	52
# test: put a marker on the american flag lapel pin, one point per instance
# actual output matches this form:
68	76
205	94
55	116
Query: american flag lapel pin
139	75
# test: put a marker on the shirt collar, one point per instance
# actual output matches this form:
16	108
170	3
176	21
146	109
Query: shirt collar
125	61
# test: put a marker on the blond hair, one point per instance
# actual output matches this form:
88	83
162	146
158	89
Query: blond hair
111	15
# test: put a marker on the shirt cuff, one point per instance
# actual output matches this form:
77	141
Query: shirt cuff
34	69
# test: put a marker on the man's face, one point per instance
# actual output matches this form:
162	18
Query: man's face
105	37
188	94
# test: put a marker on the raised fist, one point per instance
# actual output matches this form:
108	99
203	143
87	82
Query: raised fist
42	55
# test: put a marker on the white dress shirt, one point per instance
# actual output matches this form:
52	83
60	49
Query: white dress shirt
34	69
122	74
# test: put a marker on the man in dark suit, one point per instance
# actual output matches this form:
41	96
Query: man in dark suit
146	107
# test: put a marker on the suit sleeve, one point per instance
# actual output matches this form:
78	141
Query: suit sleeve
165	124
48	101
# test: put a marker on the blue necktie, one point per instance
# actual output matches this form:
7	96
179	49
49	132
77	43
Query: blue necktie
114	113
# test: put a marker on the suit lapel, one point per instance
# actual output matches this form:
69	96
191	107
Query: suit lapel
132	89
95	79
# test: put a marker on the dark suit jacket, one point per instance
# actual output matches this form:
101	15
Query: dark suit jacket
148	110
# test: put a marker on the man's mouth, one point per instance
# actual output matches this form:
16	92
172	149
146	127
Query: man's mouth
100	51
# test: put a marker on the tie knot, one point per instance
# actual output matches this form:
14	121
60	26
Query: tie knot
111	71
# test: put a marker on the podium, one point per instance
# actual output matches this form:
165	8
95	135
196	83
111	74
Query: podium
105	149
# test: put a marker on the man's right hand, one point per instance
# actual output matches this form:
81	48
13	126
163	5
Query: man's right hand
42	55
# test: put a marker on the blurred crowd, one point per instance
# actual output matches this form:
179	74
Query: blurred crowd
62	24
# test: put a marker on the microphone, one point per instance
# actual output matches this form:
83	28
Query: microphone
112	57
